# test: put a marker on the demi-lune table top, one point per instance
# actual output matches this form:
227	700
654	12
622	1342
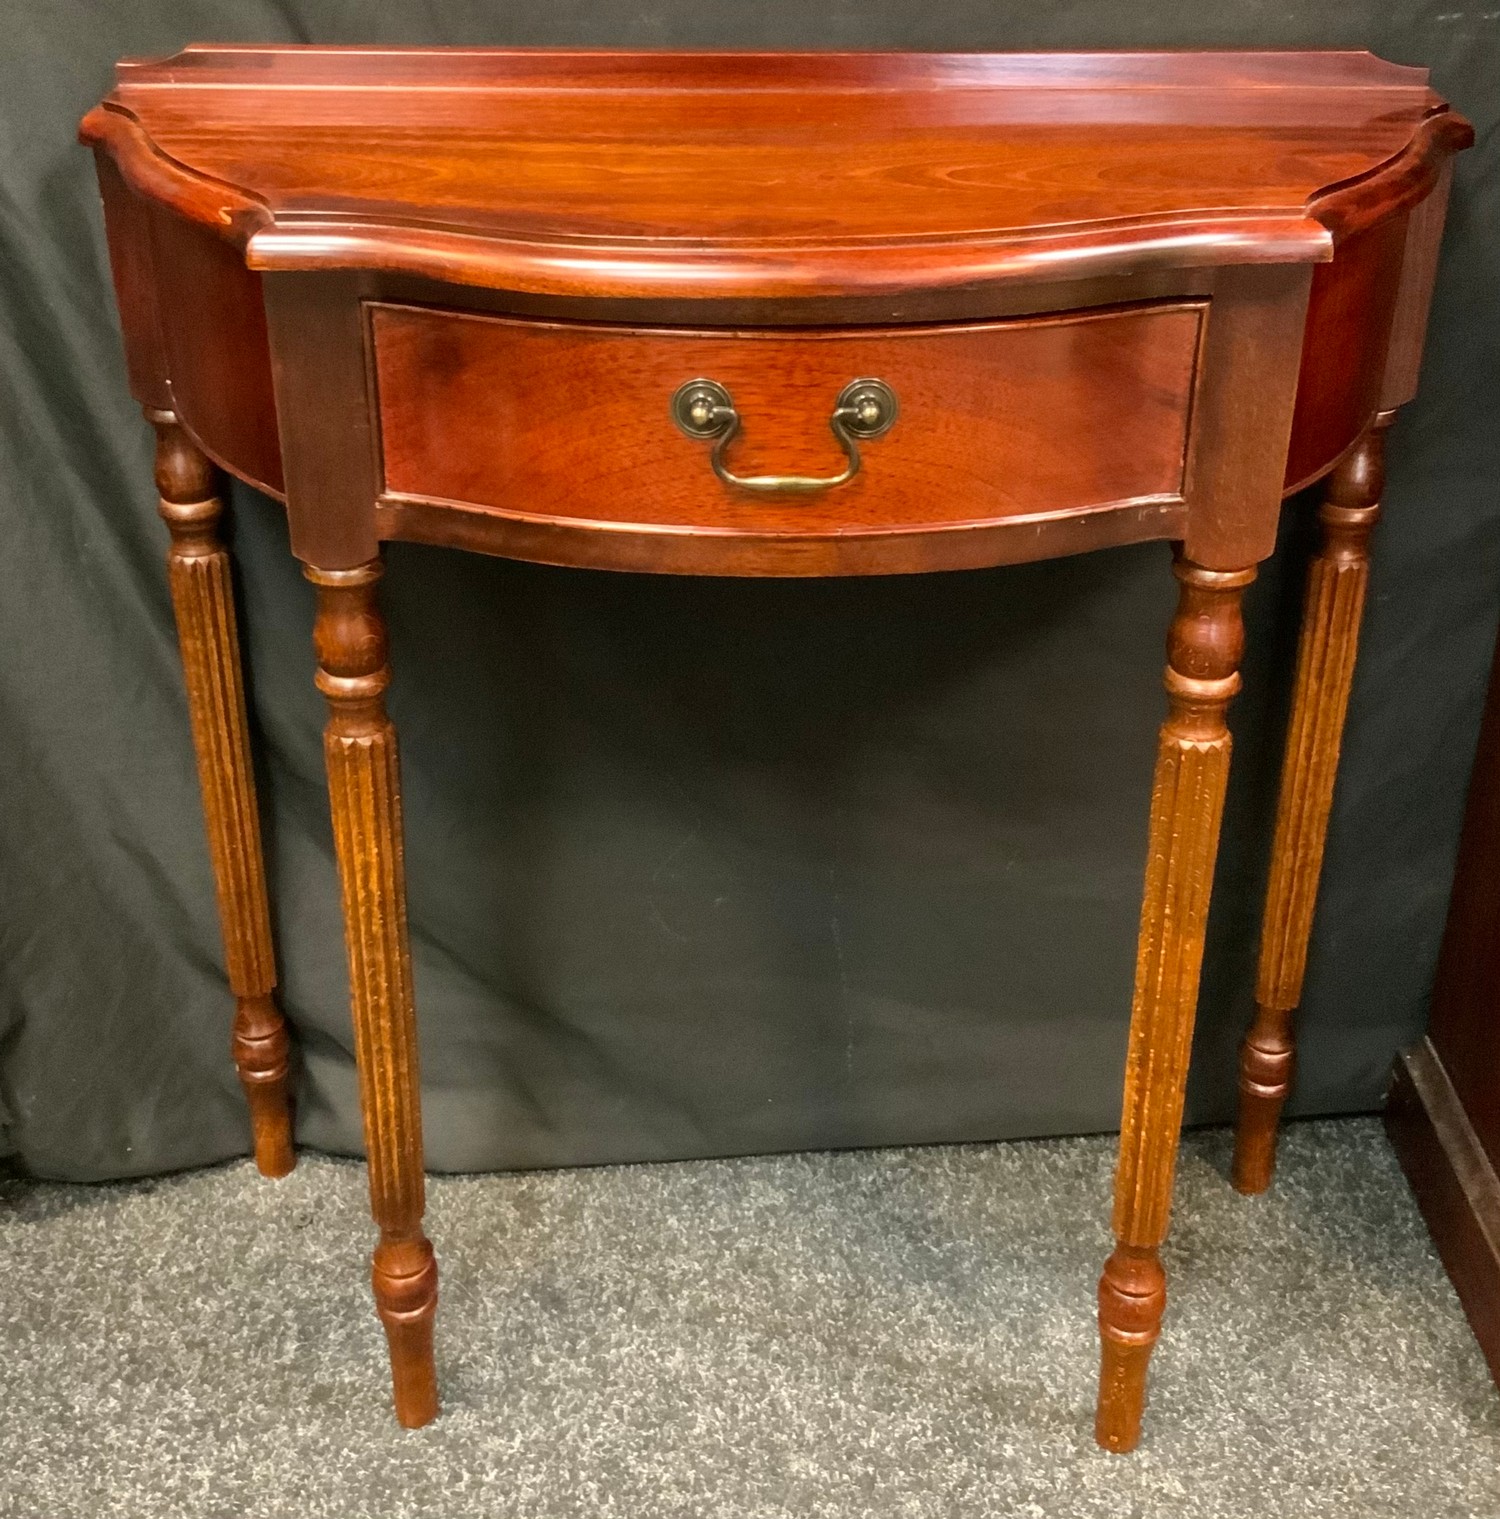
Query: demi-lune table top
754	174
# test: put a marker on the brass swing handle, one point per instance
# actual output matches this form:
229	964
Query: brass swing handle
865	409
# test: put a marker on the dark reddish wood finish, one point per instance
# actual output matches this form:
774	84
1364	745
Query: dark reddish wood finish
1239	416
1463	1028
1243	414
447	296
1329	640
1455	1184
647	174
1419	263
1332	607
364	786
221	388
1204	645
1055	168
198	571
324	400
552	422
127	225
1444	1110
1343	355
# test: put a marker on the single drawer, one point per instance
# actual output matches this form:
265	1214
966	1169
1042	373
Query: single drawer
574	425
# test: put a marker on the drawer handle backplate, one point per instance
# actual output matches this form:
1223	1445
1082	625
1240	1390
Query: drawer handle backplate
865	409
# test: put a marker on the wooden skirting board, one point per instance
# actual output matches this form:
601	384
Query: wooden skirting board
1456	1186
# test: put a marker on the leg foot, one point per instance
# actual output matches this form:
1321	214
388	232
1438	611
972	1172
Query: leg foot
404	1278
1132	1299
261	1055
1267	1060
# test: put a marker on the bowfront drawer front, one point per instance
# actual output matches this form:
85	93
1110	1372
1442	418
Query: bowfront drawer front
592	443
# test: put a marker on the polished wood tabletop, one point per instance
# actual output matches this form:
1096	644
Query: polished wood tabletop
774	314
696	174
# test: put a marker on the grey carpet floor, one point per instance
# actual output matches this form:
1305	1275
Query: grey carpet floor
892	1333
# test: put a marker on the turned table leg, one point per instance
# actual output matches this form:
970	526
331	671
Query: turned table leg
203	600
1187	800
364	788
1335	598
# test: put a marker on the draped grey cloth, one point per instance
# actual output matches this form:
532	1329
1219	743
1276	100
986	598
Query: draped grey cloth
696	866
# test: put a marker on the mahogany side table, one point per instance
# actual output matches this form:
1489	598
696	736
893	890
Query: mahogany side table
773	314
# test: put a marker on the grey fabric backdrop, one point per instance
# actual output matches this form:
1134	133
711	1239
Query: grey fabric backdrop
696	867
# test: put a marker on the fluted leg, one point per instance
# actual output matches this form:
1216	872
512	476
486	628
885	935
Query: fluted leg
203	600
1187	800
1336	582
364	788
